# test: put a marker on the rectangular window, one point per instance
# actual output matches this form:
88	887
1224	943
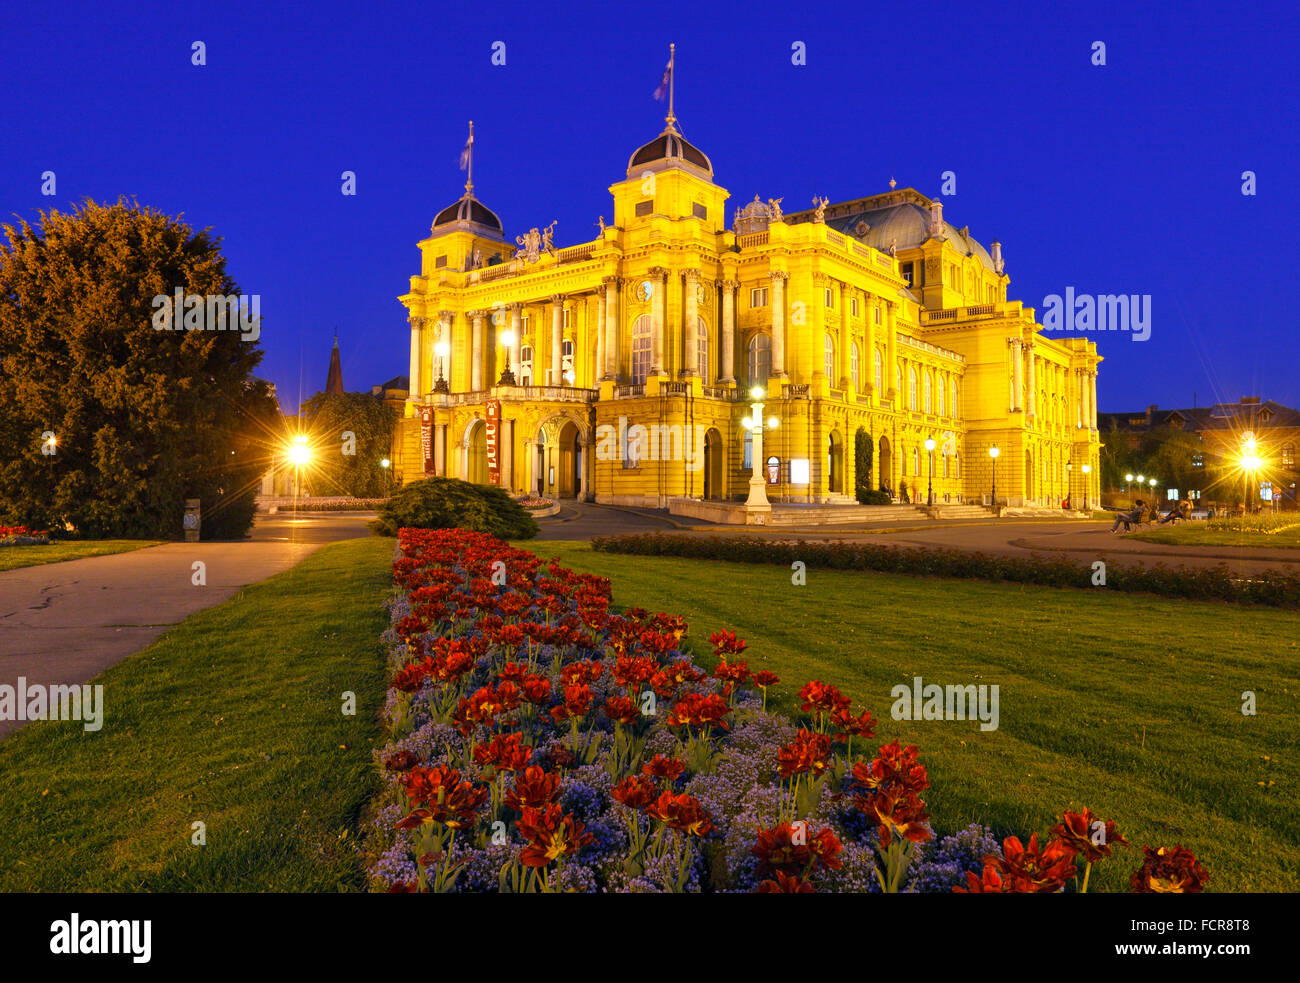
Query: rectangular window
877	314
567	312
440	262
853	306
758	297
830	297
906	270
699	211
1198	460
645	207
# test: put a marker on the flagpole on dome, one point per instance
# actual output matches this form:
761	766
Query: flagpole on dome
467	162
672	58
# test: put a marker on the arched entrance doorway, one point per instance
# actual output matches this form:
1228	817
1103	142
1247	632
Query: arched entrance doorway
476	469
835	463
713	466
886	465
568	461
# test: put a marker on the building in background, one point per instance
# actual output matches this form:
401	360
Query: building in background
533	366
1224	434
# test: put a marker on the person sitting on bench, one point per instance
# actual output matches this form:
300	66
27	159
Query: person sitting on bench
1176	512
1129	518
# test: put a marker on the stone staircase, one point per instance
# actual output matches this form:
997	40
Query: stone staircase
843	515
963	512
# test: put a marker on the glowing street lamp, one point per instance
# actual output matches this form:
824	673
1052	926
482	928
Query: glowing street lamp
1250	465
507	338
993	453
387	465
757	504
1087	486
299	455
441	349
1128	480
929	490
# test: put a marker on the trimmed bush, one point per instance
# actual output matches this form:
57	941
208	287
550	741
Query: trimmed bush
448	503
1272	587
871	496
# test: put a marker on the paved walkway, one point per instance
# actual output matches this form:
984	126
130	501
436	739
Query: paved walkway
1082	540
67	622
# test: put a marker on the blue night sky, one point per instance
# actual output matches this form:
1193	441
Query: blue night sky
1119	179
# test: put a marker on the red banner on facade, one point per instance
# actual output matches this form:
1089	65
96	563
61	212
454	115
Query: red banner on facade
426	438
493	429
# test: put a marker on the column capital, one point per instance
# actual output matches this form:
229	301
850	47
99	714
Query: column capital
516	307
728	284
612	281
658	271
777	275
820	278
691	273
477	315
447	316
559	299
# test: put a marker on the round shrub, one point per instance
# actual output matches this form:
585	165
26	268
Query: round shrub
448	503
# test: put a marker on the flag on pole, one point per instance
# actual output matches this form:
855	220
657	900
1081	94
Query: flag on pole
464	154
662	89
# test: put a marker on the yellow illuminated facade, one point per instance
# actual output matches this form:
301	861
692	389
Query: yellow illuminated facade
619	370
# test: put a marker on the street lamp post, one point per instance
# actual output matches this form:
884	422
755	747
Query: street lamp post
993	453
441	349
757	507
299	455
1250	463
507	374
1128	480
929	489
387	465
1069	484
1087	486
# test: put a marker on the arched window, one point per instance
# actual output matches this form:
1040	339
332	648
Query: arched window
640	349
855	370
880	371
526	365
702	337
828	353
956	464
916	461
911	388
945	459
760	359
747	462
938	392
929	392
955	404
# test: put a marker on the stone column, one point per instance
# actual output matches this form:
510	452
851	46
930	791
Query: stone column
557	340
609	370
530	462
1092	400
846	352
891	355
658	317
476	353
440	450
506	449
417	354
516	329
599	367
1018	394
1033	384
690	334
778	278
869	356
727	353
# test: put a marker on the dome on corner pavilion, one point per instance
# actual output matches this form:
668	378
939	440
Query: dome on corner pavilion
670	148
469	210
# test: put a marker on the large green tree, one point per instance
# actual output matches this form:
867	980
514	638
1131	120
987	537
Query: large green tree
141	418
343	464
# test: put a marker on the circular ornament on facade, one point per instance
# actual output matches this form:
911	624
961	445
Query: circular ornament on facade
645	290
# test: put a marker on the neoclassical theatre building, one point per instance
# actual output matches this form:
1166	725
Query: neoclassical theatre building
620	370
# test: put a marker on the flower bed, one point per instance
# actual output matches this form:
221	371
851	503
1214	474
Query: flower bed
538	742
1271	587
22	536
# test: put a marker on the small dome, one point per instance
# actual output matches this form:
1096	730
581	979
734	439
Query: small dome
469	210
907	225
670	148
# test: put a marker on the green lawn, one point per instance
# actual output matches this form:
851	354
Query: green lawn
1195	534
13	557
234	719
1130	705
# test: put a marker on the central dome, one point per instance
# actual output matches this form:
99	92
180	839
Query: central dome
669	149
